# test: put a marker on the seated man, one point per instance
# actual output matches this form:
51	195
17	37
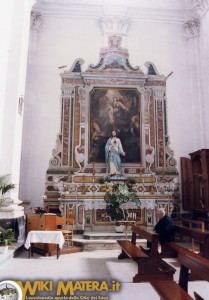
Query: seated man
165	227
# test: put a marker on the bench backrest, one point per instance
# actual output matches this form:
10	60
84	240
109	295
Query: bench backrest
197	234
206	222
202	238
189	260
194	224
150	236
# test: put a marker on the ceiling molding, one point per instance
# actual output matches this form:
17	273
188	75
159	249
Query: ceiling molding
135	10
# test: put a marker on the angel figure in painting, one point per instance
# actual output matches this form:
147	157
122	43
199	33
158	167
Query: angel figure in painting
113	150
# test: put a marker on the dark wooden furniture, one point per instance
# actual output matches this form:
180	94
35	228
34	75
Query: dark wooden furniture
67	231
189	261
44	222
126	224
193	224
170	290
197	297
206	222
202	238
150	266
195	181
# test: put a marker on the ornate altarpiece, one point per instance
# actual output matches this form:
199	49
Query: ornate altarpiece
111	95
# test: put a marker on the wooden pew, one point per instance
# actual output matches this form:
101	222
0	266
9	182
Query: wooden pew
189	260
206	222
202	238
193	224
150	267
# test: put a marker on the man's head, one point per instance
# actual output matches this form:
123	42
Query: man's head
160	213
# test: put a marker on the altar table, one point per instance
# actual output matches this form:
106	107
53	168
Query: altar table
48	237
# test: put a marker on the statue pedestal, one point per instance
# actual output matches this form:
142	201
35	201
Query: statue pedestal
11	214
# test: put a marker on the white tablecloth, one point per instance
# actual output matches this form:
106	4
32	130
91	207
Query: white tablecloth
48	237
101	204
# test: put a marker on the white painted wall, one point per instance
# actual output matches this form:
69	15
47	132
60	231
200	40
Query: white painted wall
15	18
6	11
204	59
166	46
58	42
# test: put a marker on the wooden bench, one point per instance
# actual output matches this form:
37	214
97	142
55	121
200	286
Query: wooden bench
202	238
150	266
189	261
206	222
193	224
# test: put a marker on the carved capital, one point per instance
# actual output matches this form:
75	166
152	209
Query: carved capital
114	26
36	20
192	27
159	94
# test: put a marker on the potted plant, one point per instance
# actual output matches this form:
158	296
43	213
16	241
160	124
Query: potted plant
6	239
5	187
118	194
101	180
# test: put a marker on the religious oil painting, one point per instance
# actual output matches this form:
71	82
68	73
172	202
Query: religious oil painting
115	109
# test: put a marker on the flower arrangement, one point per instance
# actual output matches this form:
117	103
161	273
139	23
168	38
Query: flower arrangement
117	194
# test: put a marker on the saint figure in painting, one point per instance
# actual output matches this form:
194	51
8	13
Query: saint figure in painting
113	150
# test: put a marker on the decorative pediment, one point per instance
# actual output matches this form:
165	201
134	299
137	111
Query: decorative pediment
114	57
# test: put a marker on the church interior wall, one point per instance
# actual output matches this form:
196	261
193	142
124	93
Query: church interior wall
58	42
169	51
15	21
204	56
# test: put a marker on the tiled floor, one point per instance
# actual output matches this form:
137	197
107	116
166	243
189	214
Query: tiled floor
99	265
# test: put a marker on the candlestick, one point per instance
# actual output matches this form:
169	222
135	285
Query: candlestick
83	187
93	169
143	186
140	169
69	165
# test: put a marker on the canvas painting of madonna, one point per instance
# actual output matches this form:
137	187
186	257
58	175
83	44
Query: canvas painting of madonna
115	109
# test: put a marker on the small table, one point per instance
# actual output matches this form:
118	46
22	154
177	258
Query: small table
47	237
126	223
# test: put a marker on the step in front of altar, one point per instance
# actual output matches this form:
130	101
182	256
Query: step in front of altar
105	235
102	241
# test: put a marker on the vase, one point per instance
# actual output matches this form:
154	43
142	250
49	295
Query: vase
3	249
119	228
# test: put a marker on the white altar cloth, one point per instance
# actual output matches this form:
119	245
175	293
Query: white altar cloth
101	204
48	237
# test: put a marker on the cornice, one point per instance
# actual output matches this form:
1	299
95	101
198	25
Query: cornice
187	13
200	7
192	24
93	9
